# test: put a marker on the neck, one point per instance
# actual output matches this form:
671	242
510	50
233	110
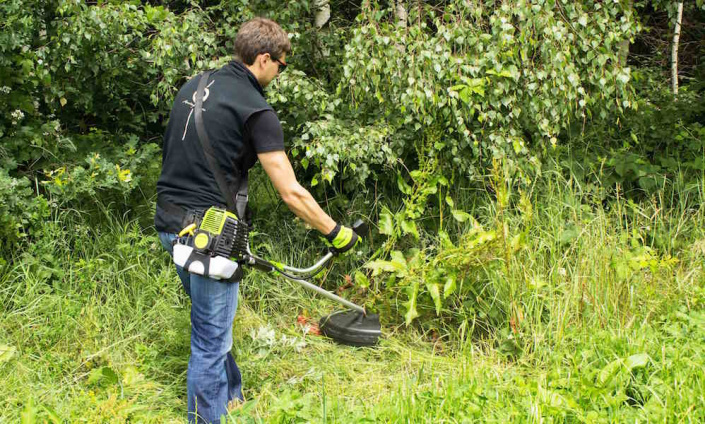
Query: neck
254	72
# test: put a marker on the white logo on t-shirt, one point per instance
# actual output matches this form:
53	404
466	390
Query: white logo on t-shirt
193	106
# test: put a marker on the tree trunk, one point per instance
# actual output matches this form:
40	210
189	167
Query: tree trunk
401	13
674	52
322	8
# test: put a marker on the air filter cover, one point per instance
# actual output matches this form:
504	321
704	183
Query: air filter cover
352	328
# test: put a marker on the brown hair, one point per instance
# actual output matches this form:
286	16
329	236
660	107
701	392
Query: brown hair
259	36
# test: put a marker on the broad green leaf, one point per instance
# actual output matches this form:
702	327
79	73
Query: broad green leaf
6	353
378	266
460	216
110	376
464	95
386	224
103	375
477	85
411	312
471	407
449	201
517	242
450	286
608	372
409	227
361	280
553	398
636	361
403	186
444	238
434	291
398	260
397	265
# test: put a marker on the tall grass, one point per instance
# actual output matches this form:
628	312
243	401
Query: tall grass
599	318
567	259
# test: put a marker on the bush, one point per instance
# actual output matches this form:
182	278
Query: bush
494	81
21	211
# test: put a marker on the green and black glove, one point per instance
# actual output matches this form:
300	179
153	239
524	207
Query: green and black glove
342	239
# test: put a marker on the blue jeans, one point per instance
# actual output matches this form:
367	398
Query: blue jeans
213	378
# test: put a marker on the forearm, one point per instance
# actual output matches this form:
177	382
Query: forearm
297	198
300	201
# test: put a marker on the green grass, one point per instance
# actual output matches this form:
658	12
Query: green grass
607	306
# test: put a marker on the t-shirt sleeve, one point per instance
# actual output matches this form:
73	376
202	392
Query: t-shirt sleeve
264	132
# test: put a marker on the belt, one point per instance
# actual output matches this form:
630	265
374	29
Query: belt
185	216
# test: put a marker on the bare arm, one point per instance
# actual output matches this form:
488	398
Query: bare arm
298	199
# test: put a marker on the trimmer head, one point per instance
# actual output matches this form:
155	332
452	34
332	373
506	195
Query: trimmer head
352	328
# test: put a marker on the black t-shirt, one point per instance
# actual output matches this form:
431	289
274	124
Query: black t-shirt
264	132
239	123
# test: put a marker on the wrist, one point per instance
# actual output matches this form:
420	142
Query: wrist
334	233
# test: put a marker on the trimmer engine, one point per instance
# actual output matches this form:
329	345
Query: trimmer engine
214	249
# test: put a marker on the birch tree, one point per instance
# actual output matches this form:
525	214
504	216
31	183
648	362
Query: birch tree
674	52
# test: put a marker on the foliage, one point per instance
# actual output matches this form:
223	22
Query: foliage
496	81
449	275
21	212
661	140
80	80
99	176
538	207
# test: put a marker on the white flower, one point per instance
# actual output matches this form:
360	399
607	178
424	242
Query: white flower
5	89
17	116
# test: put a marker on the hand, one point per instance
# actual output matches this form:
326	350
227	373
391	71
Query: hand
342	239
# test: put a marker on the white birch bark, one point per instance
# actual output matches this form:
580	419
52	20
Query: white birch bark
674	52
401	13
322	8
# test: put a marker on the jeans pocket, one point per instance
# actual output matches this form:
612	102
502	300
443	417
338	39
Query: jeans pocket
167	239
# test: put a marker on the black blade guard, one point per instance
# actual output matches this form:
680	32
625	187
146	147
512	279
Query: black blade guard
352	328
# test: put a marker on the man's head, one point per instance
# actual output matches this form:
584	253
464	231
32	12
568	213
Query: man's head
262	45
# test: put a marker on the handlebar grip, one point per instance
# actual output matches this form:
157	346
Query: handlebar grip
361	228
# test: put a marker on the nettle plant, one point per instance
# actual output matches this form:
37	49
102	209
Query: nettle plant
497	79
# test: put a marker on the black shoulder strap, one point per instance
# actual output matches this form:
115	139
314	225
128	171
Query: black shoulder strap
237	203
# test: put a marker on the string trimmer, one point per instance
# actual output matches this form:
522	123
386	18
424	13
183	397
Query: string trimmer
220	244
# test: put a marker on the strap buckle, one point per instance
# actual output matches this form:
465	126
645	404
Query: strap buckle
241	200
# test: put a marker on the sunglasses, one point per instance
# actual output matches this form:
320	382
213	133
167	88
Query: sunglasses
282	65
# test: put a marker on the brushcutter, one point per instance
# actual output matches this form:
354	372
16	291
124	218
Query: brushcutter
219	246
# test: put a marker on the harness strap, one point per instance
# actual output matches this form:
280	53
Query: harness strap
241	199
236	201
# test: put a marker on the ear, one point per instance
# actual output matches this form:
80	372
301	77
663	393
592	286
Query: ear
262	59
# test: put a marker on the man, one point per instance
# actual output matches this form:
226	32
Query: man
241	128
